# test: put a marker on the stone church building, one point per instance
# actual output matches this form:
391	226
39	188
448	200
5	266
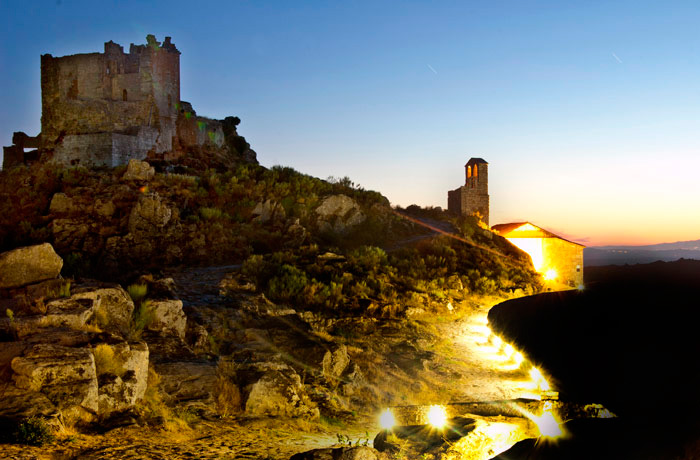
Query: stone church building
557	259
554	257
473	196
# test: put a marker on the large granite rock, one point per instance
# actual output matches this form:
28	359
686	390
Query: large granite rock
66	376
149	214
29	265
61	204
339	214
268	211
138	170
279	393
113	307
126	377
334	364
62	313
187	381
168	317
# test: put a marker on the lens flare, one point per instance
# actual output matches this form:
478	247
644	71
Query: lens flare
437	417
550	274
548	425
387	420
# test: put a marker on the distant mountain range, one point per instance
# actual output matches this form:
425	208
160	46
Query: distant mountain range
620	255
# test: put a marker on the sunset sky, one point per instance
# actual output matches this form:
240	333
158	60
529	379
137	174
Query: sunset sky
587	112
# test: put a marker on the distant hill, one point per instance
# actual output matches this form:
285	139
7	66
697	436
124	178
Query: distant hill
620	255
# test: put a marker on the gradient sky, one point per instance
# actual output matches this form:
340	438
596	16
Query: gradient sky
587	112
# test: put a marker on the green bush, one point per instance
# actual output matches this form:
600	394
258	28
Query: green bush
33	431
288	284
137	292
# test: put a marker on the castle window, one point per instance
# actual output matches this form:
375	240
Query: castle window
476	171
124	95
469	171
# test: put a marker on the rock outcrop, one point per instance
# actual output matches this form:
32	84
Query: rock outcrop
66	357
339	214
150	214
28	265
138	170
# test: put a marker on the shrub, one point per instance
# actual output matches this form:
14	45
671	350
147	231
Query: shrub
211	213
288	284
137	292
367	258
34	431
105	361
143	316
227	397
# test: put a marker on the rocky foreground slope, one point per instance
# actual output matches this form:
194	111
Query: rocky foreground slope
122	338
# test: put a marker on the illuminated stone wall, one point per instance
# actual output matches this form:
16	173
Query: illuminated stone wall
566	258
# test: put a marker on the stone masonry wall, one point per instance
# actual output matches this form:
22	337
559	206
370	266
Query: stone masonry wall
132	94
566	258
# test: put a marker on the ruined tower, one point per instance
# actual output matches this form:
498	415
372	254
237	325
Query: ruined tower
102	109
473	196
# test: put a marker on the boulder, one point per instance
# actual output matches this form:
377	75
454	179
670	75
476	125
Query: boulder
61	313
69	234
279	394
338	214
126	378
191	381
268	211
66	376
334	364
149	214
29	265
168	317
61	204
113	307
295	234
19	404
138	170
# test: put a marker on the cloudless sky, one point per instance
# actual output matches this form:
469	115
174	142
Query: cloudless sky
587	112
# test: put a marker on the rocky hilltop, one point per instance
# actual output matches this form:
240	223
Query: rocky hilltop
183	307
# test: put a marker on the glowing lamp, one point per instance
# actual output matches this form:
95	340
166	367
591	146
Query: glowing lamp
550	274
548	425
387	420
437	417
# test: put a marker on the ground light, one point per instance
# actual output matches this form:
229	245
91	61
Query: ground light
387	420
548	423
437	417
550	274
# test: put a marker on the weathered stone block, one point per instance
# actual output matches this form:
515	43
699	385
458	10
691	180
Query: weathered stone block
29	265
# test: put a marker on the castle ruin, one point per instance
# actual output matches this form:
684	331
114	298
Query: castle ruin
473	197
103	109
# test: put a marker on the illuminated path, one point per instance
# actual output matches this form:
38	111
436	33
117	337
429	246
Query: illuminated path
487	369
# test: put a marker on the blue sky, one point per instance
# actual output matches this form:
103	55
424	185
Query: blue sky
588	112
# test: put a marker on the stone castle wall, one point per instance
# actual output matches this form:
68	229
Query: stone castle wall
131	95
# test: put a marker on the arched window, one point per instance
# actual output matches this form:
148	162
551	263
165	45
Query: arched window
124	95
476	171
469	171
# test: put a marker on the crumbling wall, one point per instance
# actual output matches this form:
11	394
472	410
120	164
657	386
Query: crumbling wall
131	94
